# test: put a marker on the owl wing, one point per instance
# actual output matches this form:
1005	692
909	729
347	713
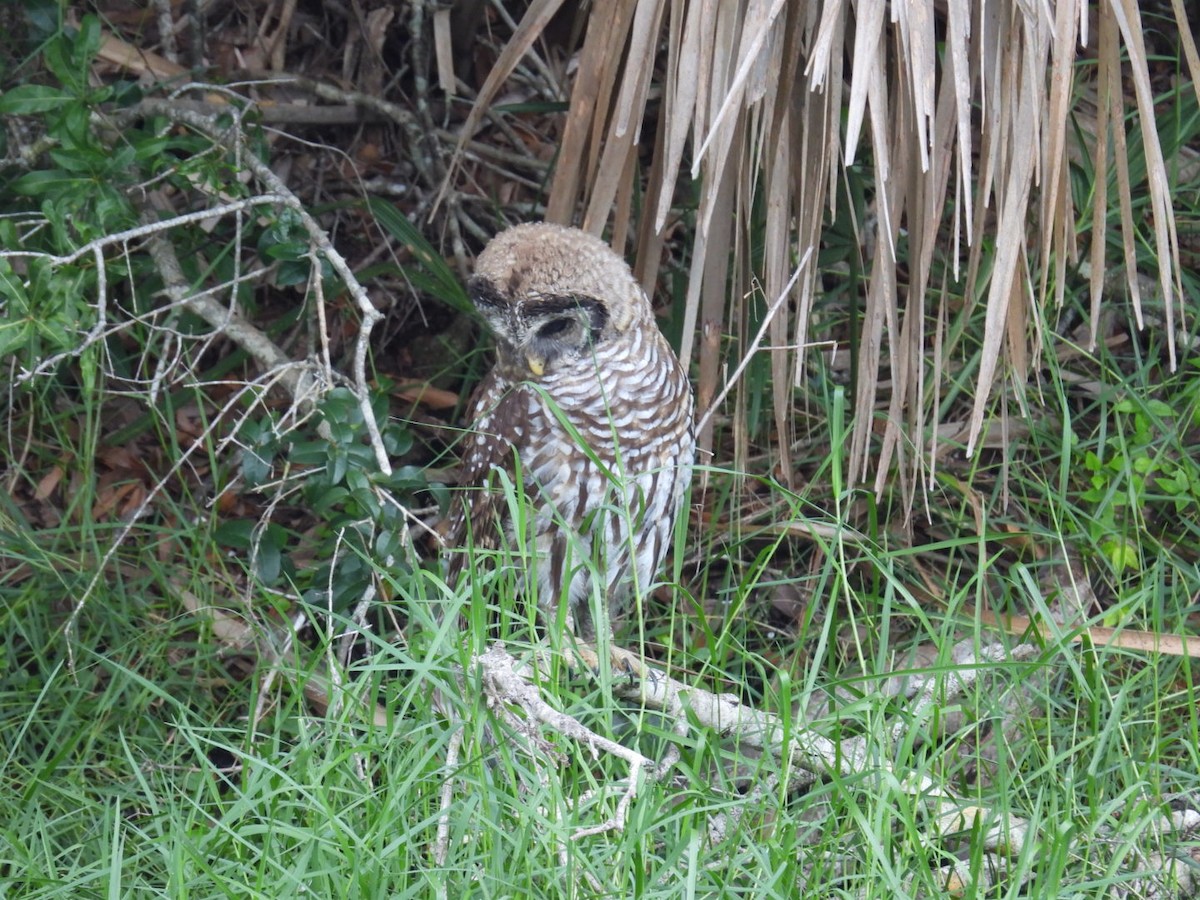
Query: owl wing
498	414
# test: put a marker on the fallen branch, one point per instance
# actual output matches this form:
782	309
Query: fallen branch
811	755
1100	636
504	685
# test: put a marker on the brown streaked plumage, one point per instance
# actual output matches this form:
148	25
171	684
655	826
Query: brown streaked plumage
589	397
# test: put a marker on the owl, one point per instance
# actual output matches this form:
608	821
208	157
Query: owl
587	409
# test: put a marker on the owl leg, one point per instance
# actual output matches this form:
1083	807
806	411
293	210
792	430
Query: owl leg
584	626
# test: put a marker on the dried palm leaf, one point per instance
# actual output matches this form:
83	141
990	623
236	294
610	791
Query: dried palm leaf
777	98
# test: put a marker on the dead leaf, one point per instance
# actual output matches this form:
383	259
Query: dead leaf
48	483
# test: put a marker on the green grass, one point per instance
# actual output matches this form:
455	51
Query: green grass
140	756
147	770
162	764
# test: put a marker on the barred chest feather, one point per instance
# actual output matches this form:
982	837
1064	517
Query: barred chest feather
610	505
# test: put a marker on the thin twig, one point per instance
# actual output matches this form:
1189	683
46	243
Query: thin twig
441	846
754	344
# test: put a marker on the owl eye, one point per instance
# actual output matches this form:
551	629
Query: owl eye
554	328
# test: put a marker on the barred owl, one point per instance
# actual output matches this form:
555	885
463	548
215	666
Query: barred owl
590	405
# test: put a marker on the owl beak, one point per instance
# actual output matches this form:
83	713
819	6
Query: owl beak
537	364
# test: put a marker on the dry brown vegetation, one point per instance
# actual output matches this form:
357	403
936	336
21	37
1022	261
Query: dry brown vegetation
966	116
720	145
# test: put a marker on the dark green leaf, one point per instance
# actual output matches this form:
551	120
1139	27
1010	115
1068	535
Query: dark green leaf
256	466
33	98
309	453
443	283
234	533
49	182
268	560
293	272
397	440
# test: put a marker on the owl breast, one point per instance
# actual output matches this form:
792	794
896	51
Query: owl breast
606	448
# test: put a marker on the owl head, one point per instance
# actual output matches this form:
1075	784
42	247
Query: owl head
551	294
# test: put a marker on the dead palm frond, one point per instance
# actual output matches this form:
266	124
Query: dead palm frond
964	111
